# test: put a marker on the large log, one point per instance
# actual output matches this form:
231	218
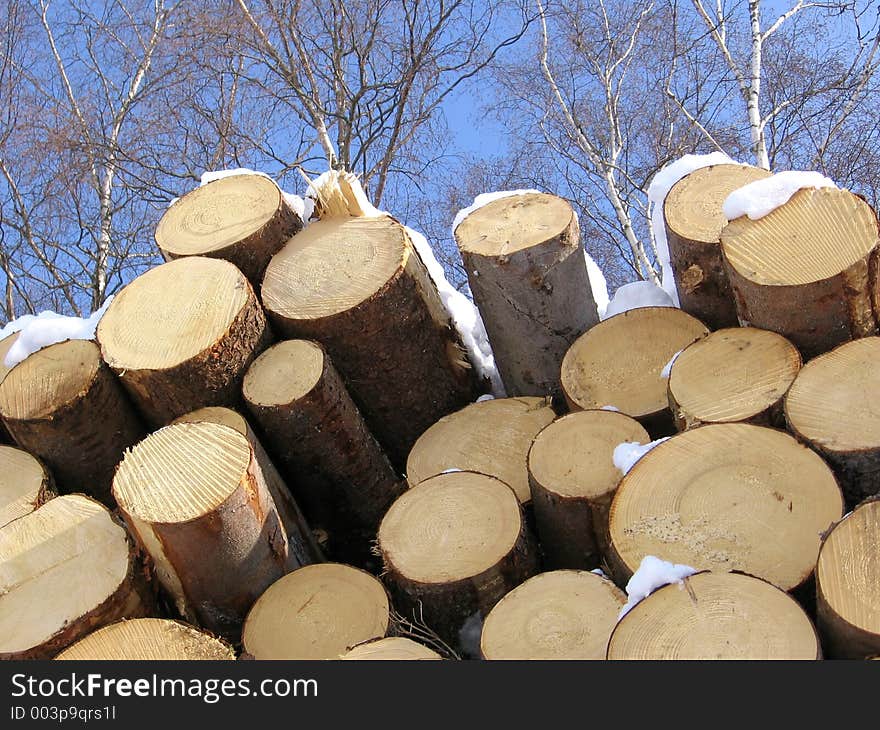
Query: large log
848	585
729	496
735	374
25	484
808	270
64	405
332	461
716	616
573	480
620	363
195	496
66	569
303	547
241	218
529	279
356	285
181	336
453	546
317	612
693	216
831	407
564	614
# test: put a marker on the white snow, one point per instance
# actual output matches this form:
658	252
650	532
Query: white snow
485	397
762	197
302	207
47	328
667	368
598	285
629	452
637	294
611	408
659	188
599	572
450	471
653	573
484	199
212	175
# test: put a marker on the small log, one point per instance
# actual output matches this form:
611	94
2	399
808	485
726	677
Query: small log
573	480
66	569
529	279
181	336
848	585
452	547
564	614
716	616
63	405
148	639
728	496
195	495
736	374
317	612
490	437
303	548
392	648
330	458
694	219
808	270
356	285
620	363
25	484
831	408
243	219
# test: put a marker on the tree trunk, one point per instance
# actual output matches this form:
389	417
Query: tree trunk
67	568
808	270
64	405
847	586
694	219
453	547
336	467
356	285
25	484
736	374
573	480
181	336
196	497
243	219
529	279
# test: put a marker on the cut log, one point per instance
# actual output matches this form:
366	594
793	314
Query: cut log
337	469
181	336
148	639
243	219
620	363
25	484
195	496
5	344
831	407
66	569
64	405
529	279
694	219
565	614
357	286
317	612
808	270
491	437
848	585
573	479
303	548
393	648
729	496
716	616
452	547
736	374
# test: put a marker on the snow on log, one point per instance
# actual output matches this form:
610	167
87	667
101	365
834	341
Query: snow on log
64	405
392	648
529	279
637	294
25	485
181	336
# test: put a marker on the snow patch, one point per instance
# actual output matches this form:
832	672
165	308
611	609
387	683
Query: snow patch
483	200
47	328
610	408
629	452
209	176
667	368
653	573
599	572
659	188
485	397
450	471
598	285
761	197
638	294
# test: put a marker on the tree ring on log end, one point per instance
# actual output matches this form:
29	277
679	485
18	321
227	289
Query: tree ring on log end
284	373
392	648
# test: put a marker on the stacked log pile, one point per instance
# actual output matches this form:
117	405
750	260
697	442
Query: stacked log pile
280	446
